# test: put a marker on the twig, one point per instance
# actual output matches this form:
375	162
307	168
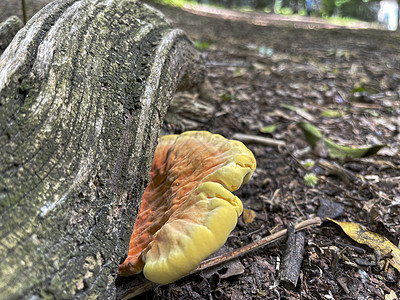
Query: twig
339	171
255	139
291	261
390	180
24	10
339	188
297	206
136	290
366	105
255	245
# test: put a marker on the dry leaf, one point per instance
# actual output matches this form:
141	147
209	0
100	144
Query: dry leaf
301	112
235	267
248	216
376	241
391	296
269	128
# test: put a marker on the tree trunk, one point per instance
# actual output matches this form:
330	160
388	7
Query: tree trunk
84	88
296	6
8	29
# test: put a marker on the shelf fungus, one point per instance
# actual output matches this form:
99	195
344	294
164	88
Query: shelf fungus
187	210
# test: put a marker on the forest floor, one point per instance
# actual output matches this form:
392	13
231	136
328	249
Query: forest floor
273	74
270	75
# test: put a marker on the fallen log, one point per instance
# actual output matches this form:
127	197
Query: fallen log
84	88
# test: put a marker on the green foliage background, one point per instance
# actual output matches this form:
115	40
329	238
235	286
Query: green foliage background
359	9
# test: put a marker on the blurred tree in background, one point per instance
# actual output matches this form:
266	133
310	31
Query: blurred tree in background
360	9
366	10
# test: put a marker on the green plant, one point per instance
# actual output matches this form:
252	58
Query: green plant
310	179
308	164
201	45
174	3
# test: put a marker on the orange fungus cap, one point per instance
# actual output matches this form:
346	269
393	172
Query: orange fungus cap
187	210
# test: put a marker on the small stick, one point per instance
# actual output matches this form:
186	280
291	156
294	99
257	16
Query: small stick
291	262
339	171
135	290
255	139
24	11
255	245
295	204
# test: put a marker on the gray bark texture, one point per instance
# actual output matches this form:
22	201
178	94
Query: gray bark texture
84	88
8	29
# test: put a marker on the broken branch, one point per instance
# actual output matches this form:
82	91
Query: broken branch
255	139
255	245
291	262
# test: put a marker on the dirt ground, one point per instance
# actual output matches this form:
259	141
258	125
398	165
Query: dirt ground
279	72
259	71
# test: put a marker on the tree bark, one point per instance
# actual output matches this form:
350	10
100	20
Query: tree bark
296	6
8	29
84	88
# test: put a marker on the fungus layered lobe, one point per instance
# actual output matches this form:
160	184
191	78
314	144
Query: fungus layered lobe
187	210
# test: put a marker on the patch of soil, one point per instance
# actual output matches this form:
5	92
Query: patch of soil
282	75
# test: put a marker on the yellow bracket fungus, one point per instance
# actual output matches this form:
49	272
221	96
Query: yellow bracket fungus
187	210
